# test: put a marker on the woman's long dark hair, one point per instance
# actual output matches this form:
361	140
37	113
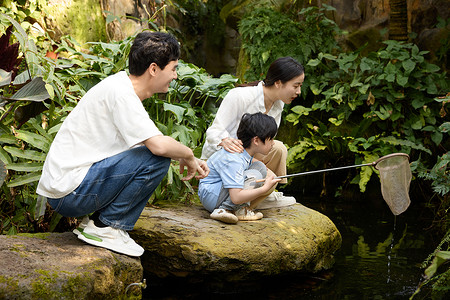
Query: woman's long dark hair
283	68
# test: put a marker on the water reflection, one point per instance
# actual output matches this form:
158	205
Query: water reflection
380	258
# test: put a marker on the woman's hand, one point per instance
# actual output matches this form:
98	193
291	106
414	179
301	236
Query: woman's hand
232	145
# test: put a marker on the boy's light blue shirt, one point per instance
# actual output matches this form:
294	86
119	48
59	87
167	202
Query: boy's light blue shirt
225	170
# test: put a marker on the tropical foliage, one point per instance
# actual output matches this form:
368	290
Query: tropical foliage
355	109
268	34
36	101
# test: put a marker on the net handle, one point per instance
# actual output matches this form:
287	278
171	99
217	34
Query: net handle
374	164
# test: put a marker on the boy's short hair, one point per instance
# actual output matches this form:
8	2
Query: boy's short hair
258	124
152	47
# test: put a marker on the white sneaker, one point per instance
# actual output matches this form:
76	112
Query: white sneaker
276	199
224	215
246	214
81	226
110	238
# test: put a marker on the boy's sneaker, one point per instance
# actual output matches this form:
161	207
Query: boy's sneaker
110	238
246	214
81	226
276	199
224	215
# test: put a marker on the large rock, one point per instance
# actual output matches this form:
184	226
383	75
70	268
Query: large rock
59	266
183	242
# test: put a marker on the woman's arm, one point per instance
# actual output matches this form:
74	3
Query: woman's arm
227	121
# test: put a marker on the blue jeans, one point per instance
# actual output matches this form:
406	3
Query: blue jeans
257	170
118	188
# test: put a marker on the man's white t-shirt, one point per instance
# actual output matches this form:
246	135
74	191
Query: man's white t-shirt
240	100
108	120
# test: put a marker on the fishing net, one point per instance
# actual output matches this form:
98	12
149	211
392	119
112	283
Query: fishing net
395	177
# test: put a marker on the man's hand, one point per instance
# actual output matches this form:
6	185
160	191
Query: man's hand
194	166
232	145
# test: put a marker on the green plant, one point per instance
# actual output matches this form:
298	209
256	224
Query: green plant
437	271
24	89
361	108
27	130
268	34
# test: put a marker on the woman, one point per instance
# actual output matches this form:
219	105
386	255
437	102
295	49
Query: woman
281	86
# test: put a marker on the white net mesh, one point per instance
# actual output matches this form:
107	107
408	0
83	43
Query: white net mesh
395	176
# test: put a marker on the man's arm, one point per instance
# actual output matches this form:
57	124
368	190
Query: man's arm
166	146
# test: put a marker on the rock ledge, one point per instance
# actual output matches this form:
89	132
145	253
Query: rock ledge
183	242
59	266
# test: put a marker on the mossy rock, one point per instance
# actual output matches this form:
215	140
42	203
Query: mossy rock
59	266
183	242
81	19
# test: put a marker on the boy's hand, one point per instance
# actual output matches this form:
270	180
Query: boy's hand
232	145
194	166
271	180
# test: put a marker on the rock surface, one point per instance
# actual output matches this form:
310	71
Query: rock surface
59	266
183	242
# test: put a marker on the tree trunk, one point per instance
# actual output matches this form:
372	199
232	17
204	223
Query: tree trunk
398	20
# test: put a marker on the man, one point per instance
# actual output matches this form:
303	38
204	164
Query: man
109	157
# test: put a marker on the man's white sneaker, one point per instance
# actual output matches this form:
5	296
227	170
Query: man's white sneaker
110	238
224	215
81	226
246	214
276	199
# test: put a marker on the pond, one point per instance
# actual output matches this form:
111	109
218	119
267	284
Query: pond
380	258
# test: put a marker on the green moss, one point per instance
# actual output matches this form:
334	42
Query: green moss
83	20
40	235
78	285
42	287
8	284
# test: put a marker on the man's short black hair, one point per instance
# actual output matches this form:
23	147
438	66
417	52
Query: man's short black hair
256	125
152	47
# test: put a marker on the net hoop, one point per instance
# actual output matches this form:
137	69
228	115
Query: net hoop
375	163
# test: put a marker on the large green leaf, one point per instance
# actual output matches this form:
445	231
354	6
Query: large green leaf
394	141
25	167
28	46
4	157
34	139
32	91
25	179
439	259
5	77
8	139
2	172
27	154
176	109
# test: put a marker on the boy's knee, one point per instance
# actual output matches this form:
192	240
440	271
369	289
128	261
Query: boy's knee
260	167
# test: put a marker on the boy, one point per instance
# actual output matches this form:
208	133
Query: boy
230	191
108	157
